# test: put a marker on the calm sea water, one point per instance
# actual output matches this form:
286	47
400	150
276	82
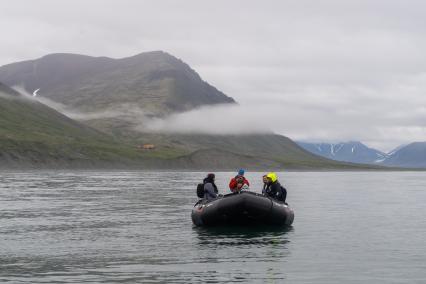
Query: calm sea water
135	227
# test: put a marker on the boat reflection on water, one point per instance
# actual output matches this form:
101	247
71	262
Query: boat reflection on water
258	236
247	254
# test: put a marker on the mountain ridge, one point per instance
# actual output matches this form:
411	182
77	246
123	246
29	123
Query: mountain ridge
352	151
156	81
412	155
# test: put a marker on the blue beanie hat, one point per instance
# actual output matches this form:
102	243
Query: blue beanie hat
241	172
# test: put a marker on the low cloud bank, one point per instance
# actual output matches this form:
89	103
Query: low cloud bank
123	111
382	117
219	120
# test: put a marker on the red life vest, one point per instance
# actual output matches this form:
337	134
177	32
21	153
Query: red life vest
233	184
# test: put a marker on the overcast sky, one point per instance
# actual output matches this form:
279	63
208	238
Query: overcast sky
312	70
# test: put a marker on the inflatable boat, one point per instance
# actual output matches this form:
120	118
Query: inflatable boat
244	208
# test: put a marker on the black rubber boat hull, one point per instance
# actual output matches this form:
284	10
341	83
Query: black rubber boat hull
246	208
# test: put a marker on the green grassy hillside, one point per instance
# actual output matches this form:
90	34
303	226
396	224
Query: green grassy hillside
256	151
33	134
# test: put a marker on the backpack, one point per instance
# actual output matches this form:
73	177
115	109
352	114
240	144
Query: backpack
283	194
200	190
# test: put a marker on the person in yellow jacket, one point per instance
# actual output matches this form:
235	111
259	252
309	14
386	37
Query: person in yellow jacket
273	188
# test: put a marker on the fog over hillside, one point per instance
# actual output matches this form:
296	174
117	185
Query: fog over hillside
221	119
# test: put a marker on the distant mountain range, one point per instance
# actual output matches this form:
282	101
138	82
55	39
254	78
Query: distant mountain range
353	151
411	156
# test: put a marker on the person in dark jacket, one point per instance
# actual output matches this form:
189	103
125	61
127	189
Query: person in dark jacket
210	188
274	189
237	182
265	184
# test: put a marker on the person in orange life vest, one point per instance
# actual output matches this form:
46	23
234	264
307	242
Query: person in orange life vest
238	182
